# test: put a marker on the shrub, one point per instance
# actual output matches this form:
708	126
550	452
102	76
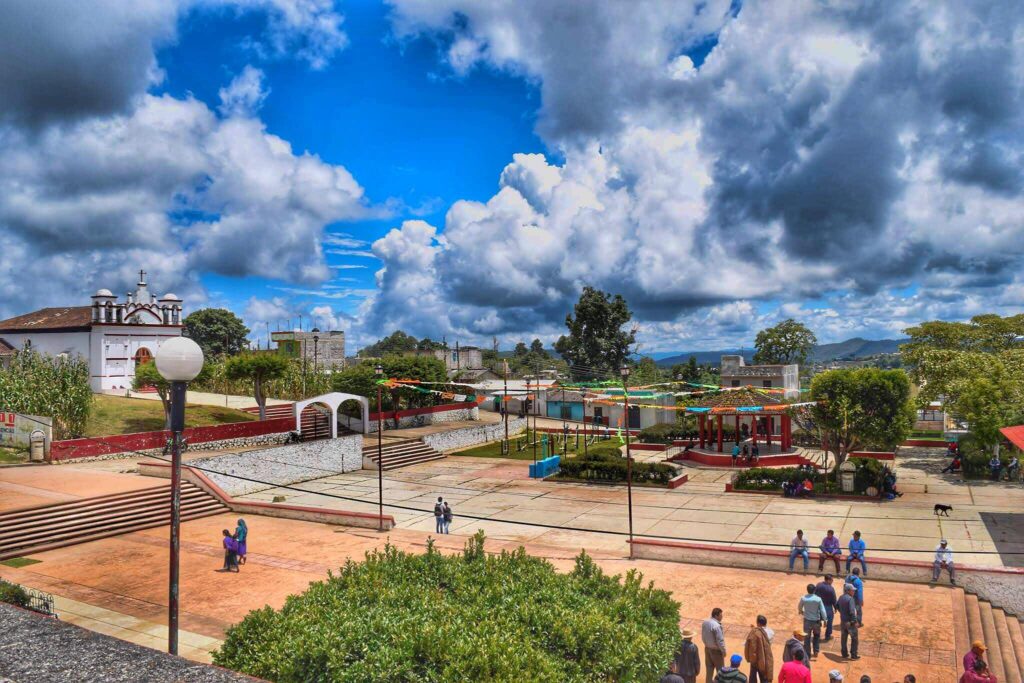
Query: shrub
470	617
659	433
606	467
975	458
868	473
13	594
772	479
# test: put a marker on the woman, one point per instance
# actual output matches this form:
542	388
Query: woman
230	552
447	516
979	673
241	536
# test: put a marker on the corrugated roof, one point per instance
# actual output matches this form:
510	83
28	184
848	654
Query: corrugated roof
1015	435
63	318
6	349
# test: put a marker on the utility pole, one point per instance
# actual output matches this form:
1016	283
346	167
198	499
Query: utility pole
504	406
629	458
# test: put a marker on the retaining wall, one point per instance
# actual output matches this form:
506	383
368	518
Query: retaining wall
471	436
1002	586
419	417
283	465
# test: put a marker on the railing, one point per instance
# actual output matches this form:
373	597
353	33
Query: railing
38	601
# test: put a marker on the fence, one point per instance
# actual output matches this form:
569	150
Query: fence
38	601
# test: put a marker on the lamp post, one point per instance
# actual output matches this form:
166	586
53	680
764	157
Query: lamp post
316	346
504	408
624	371
379	372
178	361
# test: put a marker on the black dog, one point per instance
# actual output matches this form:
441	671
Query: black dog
944	509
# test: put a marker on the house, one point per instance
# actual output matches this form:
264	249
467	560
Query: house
736	373
113	336
465	363
646	408
322	350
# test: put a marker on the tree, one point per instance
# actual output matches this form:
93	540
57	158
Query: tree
218	331
397	342
259	368
521	351
537	348
646	372
596	345
861	408
687	372
361	380
146	375
788	342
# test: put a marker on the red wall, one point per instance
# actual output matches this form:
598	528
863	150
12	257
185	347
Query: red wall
388	415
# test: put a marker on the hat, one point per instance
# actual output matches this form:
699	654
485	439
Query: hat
943	541
797	633
834	675
978	645
687	634
735	660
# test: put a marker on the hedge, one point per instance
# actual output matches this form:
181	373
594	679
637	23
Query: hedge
397	616
868	473
13	594
660	433
612	469
974	458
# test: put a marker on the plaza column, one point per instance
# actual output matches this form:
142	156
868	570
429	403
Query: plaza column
753	429
700	430
720	434
771	426
737	427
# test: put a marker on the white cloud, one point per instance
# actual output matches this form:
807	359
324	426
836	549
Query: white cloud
245	94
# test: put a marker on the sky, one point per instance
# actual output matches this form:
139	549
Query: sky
463	168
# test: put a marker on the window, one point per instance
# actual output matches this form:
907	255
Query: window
766	384
735	383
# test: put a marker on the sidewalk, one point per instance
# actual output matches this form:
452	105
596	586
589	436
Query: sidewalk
204	398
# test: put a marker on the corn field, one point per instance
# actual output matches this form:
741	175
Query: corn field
54	387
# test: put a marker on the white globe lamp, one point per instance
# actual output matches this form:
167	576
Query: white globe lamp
179	360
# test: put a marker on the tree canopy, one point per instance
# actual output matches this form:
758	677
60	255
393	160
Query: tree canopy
260	368
146	375
596	345
361	380
785	343
218	331
397	343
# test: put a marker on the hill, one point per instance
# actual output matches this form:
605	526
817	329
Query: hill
844	350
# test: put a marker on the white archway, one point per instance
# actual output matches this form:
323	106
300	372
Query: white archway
333	400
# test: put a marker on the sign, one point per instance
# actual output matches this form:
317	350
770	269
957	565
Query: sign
16	429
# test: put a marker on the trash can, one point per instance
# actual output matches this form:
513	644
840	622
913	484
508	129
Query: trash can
847	474
37	447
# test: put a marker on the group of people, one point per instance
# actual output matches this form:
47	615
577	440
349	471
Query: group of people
1012	469
749	453
442	515
235	547
975	667
794	488
830	550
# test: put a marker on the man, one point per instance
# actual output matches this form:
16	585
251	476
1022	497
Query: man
1012	469
714	644
856	547
795	645
798	546
672	676
439	514
858	590
812	609
735	453
848	620
979	673
794	670
943	560
687	659
834	676
995	466
954	465
731	673
827	593
976	652
830	550
758	651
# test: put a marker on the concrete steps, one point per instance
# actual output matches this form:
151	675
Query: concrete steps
1001	633
402	454
47	527
315	423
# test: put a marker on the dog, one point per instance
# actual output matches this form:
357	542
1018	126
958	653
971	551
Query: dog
943	509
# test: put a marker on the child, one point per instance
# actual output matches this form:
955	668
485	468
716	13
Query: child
230	552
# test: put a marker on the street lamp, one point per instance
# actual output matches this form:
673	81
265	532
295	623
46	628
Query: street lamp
316	341
178	361
624	371
379	372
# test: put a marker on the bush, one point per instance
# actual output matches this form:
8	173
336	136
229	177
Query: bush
13	594
974	458
772	479
608	467
470	617
868	473
659	433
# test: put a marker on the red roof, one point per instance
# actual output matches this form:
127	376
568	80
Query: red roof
50	319
1015	435
6	349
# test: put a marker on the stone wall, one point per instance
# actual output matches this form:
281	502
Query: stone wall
421	419
471	436
281	465
223	444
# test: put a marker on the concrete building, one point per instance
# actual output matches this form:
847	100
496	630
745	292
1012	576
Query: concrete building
647	409
113	336
736	373
456	358
325	350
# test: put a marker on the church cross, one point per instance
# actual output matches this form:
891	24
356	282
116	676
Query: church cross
142	276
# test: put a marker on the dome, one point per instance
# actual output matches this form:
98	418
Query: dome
170	296
103	292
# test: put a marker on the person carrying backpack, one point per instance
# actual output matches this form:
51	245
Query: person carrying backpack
439	514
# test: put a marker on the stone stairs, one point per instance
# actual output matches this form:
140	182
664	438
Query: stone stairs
46	527
315	423
403	453
1001	633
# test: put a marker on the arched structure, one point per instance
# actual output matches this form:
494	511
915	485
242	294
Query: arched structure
333	401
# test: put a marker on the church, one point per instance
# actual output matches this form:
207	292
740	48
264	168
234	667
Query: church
114	336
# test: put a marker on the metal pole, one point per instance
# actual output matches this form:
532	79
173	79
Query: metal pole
504	405
380	460
177	425
536	406
629	470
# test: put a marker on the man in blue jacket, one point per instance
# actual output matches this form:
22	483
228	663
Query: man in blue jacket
857	547
858	587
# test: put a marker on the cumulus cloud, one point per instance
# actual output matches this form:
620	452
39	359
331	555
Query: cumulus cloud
245	94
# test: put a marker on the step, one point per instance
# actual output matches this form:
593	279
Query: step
974	630
397	465
961	631
399	457
1017	638
18	513
390	455
994	657
1010	665
395	444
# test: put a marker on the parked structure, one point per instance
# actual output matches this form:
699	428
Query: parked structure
736	373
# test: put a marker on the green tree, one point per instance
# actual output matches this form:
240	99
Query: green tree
259	368
861	408
521	350
787	342
397	342
146	375
218	331
596	344
688	371
48	386
361	380
646	372
537	348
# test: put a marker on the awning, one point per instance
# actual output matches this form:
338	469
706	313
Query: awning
1015	435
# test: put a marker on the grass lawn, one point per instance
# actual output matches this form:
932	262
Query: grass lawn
12	455
17	562
117	415
493	448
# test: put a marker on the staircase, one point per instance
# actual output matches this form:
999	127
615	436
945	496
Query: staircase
34	530
402	453
1001	633
315	423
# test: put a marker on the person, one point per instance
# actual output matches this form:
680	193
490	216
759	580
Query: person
735	453
835	676
954	466
731	673
812	609
744	431
798	546
808	488
789	488
230	552
943	560
241	537
830	550
439	514
687	659
672	676
794	645
976	652
1012	469
910	678
714	644
995	466
827	593
858	593
755	453
447	515
758	651
979	673
795	670
848	620
746	453
856	546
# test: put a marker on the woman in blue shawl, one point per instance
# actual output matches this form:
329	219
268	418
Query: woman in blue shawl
241	535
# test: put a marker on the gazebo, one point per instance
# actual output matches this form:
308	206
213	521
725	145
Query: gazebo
764	416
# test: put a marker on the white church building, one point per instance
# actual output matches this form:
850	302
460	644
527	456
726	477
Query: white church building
113	335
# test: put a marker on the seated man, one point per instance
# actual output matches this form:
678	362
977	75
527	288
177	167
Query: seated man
1012	469
995	466
798	548
830	550
807	489
954	466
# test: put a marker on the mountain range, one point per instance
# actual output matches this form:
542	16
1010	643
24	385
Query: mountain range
844	350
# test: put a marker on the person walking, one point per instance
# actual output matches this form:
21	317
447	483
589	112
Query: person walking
827	593
735	453
848	620
812	609
858	585
241	537
976	652
794	645
230	552
447	516
713	636
798	547
943	560
687	659
439	514
857	546
830	550
731	673
758	651
795	670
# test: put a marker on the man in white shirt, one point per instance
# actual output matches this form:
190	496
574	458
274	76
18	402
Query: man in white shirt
714	644
943	560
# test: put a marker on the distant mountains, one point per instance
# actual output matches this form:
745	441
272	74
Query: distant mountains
844	350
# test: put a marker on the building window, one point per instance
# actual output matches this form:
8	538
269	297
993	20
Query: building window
766	384
735	383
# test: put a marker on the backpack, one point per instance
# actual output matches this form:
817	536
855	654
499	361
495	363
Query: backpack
438	510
